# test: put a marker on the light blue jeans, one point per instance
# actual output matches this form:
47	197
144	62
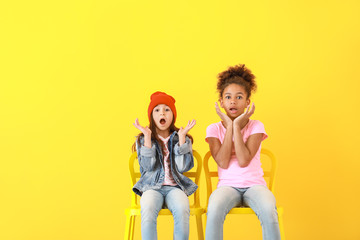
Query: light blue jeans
175	200
259	198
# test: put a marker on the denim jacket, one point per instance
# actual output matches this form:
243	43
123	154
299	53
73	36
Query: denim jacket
152	165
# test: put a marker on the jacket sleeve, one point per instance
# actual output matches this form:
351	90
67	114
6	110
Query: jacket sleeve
146	156
184	159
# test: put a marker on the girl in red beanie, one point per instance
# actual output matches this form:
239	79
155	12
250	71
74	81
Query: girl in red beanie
164	154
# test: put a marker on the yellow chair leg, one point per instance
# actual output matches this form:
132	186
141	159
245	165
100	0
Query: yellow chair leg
127	227
199	225
281	226
132	230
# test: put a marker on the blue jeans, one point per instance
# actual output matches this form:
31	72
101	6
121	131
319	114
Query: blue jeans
259	198
172	197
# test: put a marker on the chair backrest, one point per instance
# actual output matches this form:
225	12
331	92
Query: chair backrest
269	174
193	174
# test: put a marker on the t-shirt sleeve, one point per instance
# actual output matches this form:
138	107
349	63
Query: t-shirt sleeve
258	127
211	131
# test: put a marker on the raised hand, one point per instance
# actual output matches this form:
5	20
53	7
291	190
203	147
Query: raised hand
145	130
183	131
190	125
243	118
226	120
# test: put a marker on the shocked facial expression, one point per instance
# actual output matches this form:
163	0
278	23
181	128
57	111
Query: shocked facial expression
234	100
163	117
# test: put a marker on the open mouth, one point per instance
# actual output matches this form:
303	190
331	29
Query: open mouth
162	121
233	110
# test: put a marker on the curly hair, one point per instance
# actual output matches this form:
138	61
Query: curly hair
238	74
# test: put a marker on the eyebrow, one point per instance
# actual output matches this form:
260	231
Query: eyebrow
241	93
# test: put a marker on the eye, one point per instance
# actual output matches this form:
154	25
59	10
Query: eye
239	97
227	97
167	109
156	110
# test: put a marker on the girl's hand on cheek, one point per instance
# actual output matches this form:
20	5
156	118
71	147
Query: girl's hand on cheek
226	120
243	118
183	131
145	130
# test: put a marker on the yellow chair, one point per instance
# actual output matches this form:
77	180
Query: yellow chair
267	174
134	210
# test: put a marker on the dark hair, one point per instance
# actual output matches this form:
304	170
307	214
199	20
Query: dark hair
154	135
238	74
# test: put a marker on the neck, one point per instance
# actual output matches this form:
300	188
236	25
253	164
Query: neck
163	133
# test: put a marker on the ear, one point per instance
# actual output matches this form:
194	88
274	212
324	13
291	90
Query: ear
248	101
221	102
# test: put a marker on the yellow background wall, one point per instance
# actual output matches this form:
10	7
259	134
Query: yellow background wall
74	75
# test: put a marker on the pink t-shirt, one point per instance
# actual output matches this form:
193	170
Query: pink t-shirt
236	176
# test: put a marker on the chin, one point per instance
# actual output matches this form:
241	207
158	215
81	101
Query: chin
163	128
233	116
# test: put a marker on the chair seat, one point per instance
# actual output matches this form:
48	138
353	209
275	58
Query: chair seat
247	210
136	211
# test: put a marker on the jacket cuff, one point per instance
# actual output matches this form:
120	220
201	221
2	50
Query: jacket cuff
148	152
183	149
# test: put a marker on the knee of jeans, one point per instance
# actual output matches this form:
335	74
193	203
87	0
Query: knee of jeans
149	209
181	211
216	210
148	212
269	214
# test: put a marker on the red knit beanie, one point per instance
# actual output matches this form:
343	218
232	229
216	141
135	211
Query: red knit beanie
161	98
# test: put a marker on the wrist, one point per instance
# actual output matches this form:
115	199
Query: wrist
229	126
182	135
237	127
147	142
